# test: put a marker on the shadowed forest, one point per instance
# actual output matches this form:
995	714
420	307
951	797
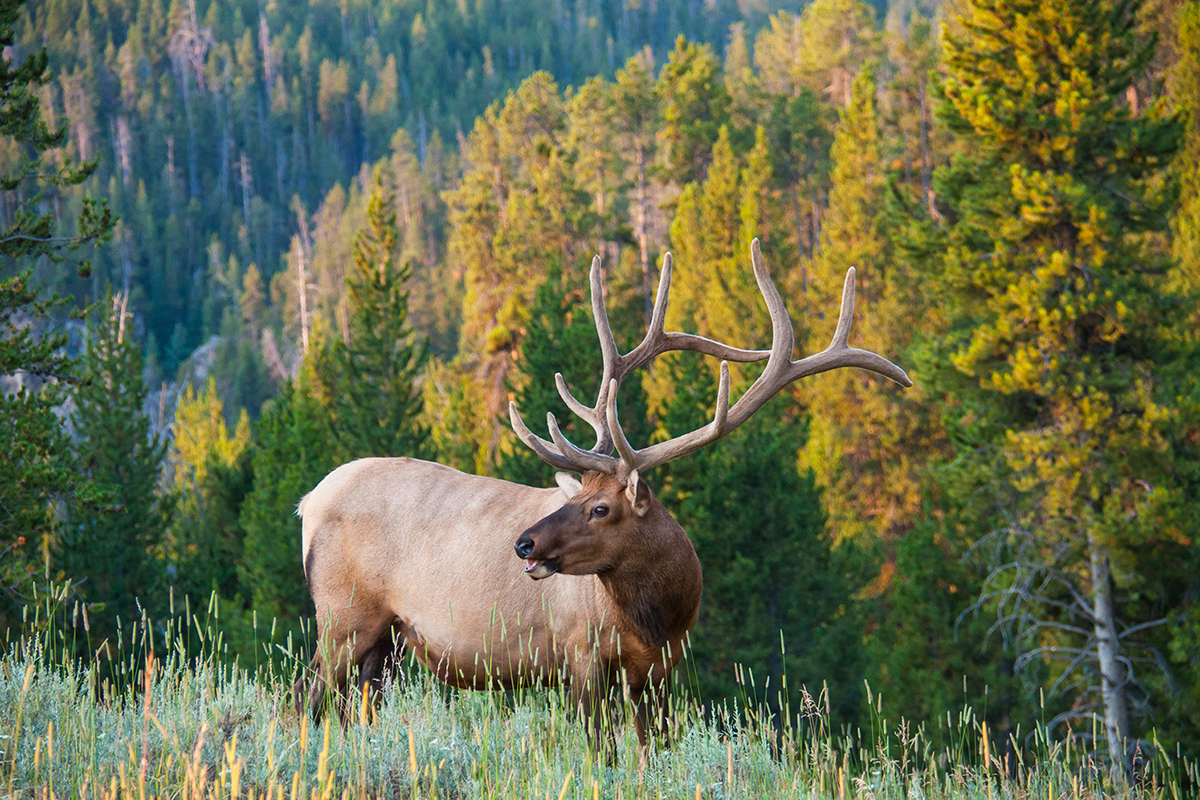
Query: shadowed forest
245	242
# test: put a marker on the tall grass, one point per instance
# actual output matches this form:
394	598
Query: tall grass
162	714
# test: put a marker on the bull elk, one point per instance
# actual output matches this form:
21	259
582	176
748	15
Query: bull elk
400	552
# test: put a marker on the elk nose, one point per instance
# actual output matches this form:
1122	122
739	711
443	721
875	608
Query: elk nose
524	546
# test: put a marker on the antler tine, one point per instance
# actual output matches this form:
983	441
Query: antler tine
608	344
839	354
626	452
589	415
544	449
658	318
658	340
663	452
581	458
783	336
845	318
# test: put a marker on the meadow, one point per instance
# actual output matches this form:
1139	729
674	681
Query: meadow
162	713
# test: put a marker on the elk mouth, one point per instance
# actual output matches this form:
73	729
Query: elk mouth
540	568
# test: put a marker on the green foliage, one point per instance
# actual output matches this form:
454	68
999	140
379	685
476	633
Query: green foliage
861	446
370	380
839	38
695	108
1058	311
114	550
715	221
292	456
212	477
1185	89
37	470
777	596
30	232
560	339
931	647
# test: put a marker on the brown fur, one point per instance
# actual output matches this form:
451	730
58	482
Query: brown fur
400	552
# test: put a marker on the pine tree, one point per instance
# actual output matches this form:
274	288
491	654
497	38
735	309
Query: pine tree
37	470
560	338
371	381
1059	321
1185	88
695	107
515	213
114	553
714	287
839	36
637	120
1184	83
860	445
211	479
776	594
293	454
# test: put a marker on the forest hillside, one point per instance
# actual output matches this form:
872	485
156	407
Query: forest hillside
245	242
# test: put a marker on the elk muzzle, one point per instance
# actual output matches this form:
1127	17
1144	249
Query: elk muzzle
536	568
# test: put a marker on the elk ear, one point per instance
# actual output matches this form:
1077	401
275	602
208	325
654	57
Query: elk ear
569	484
638	494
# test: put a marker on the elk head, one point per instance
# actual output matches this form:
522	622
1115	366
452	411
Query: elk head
612	510
584	536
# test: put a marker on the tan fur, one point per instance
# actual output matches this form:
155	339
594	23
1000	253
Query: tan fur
395	547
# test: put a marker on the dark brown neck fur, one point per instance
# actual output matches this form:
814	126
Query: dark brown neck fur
658	587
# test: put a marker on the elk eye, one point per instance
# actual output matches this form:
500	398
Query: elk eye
600	511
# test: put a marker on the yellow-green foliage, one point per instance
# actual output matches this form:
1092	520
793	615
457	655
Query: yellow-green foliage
200	434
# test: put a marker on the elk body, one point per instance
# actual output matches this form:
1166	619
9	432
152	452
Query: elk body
406	553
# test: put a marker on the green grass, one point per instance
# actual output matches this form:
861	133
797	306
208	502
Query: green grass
188	725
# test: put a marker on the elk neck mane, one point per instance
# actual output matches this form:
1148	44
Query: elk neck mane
658	590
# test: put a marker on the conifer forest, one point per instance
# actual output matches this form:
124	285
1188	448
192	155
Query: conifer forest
244	242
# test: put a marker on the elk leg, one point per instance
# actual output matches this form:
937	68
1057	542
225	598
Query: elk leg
379	664
309	689
343	641
597	695
651	713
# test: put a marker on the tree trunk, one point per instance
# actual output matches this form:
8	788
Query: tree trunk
301	271
926	191
643	244
1108	650
193	170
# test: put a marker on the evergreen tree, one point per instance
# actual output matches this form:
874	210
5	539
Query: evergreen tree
1059	314
839	36
211	479
115	552
515	213
1185	88
591	138
695	108
1184	644
293	454
714	286
560	338
36	470
863	429
776	595
637	119
371	381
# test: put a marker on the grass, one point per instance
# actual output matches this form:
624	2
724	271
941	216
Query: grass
187	725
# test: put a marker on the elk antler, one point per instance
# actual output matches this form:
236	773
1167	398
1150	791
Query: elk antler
779	372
